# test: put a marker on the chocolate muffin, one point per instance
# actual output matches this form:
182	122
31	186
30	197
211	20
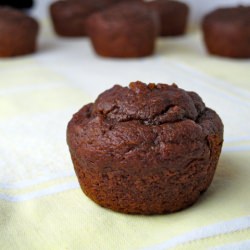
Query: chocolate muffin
69	17
18	33
173	16
124	30
23	4
227	33
146	149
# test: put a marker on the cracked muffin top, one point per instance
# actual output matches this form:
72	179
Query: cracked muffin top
150	104
162	120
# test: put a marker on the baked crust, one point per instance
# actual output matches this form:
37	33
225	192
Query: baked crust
146	149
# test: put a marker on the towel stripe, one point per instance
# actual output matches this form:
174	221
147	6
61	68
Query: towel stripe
40	180
224	84
205	232
242	245
29	88
40	193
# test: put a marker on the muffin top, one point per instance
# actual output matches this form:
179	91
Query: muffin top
129	13
76	8
118	1
163	122
167	5
9	16
237	15
150	104
73	8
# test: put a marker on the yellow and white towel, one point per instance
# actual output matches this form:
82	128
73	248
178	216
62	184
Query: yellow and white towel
41	204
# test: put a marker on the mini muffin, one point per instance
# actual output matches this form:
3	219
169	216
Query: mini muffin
173	16
146	149
124	30
18	33
23	4
69	17
227	32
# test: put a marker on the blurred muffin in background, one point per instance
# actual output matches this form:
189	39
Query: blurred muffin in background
227	32
173	16
18	33
69	16
124	30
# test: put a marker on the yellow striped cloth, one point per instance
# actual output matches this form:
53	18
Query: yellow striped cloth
41	204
